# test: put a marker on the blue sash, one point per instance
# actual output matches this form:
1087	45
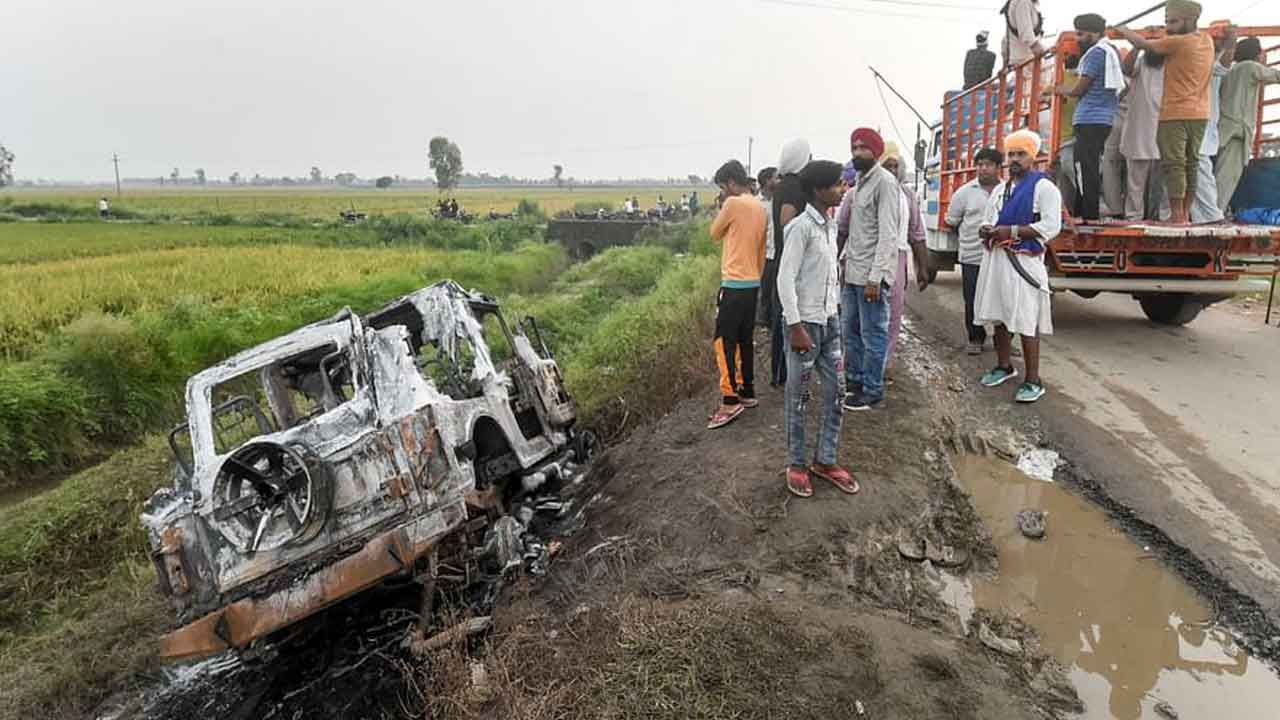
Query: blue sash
1019	209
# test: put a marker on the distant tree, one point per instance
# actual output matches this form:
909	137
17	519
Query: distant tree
696	180
199	176
317	177
383	182
235	178
445	158
173	176
559	175
345	178
6	166
257	179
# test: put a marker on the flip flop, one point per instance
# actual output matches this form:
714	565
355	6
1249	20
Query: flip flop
837	476
724	417
799	483
945	555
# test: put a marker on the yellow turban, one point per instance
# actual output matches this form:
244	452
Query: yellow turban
1027	141
1184	9
891	151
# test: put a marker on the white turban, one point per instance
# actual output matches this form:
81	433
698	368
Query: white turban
795	155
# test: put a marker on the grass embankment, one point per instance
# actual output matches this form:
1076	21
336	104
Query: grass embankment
79	610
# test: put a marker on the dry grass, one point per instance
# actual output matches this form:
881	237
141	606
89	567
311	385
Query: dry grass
644	659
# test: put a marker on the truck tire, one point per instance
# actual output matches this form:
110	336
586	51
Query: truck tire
1170	308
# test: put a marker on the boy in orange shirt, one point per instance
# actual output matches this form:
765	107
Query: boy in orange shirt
740	227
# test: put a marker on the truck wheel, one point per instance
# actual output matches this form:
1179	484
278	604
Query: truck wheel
1170	308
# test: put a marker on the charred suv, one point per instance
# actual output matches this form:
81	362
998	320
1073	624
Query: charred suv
317	464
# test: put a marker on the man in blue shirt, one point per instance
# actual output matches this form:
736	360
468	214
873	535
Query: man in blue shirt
1098	88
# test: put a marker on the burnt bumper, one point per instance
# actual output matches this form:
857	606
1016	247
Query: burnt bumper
236	625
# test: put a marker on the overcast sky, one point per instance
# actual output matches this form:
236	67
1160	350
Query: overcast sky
608	88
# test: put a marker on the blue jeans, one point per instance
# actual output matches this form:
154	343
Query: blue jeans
866	339
827	357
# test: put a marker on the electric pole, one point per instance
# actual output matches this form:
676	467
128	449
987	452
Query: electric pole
115	160
750	141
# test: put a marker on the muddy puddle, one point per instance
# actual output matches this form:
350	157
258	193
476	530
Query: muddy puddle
1131	632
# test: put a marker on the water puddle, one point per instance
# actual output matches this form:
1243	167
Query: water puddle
1132	632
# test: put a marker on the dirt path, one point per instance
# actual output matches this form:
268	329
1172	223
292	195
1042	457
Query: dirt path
788	607
1177	424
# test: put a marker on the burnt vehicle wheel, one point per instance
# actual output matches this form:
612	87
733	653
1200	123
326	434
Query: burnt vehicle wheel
267	495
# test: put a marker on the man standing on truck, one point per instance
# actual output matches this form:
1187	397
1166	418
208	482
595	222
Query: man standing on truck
808	290
1204	206
979	63
1024	214
1098	87
740	226
1138	139
966	213
1184	109
870	268
1024	31
1239	115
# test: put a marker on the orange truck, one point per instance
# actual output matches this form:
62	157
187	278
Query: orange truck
1173	271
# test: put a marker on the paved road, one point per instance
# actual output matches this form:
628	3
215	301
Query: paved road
1180	424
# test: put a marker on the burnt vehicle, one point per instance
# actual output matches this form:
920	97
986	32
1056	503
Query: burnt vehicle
318	464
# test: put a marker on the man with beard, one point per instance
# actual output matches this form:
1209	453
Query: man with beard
1098	87
966	213
1024	214
911	241
1239	121
1138	139
1184	109
870	268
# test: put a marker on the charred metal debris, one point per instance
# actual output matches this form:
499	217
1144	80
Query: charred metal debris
423	440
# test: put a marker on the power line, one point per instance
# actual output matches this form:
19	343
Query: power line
862	11
921	3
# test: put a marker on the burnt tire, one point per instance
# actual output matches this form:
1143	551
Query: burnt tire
1170	308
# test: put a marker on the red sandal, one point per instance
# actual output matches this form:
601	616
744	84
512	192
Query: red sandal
799	483
838	476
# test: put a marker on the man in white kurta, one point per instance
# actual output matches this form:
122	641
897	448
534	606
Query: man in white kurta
1004	297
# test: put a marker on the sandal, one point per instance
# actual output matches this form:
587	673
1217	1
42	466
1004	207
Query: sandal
799	483
838	476
724	416
1031	523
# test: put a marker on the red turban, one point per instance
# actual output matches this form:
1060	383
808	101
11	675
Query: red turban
870	138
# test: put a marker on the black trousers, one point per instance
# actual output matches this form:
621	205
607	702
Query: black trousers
735	343
976	333
1091	141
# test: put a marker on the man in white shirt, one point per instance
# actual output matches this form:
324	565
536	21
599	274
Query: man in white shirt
965	214
1024	31
1024	214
